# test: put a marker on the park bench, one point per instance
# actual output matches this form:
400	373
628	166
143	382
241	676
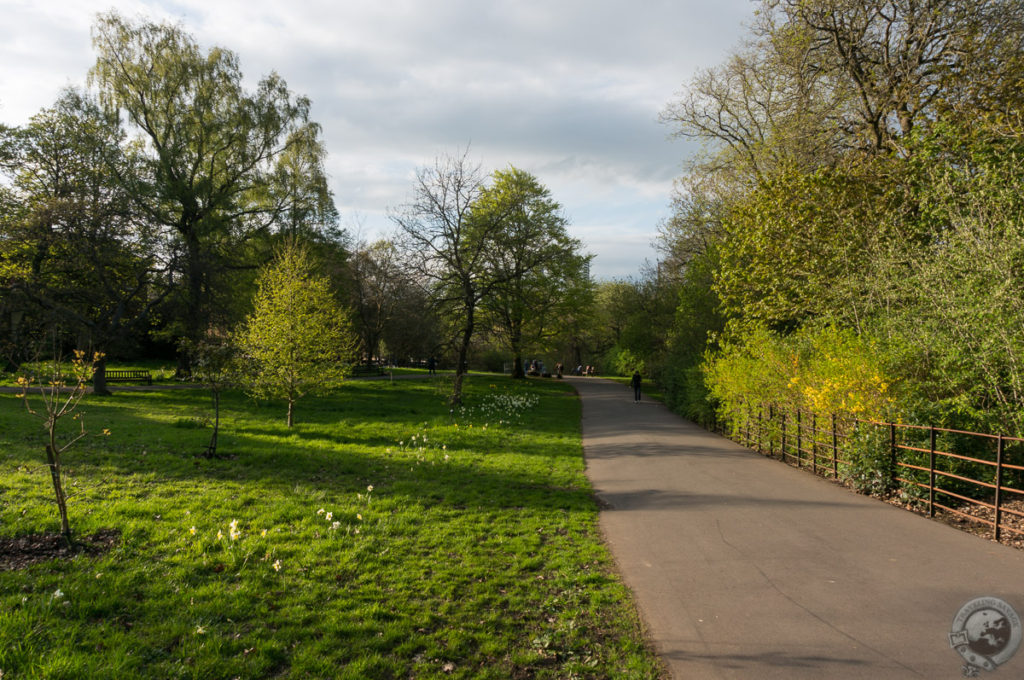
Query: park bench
127	375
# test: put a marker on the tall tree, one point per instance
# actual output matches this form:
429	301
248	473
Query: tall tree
378	286
209	147
448	250
538	271
298	188
77	253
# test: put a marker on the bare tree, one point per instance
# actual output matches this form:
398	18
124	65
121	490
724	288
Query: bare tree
446	249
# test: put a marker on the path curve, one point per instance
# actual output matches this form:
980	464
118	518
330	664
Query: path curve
744	567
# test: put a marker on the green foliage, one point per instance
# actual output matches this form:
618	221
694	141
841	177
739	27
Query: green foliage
869	464
620	361
796	247
870	263
217	166
297	339
539	274
954	304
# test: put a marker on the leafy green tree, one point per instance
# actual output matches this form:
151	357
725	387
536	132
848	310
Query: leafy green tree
298	339
539	273
209	147
76	254
952	304
298	188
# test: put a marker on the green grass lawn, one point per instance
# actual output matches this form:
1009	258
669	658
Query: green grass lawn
381	537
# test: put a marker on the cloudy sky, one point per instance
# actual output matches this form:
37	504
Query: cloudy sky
569	90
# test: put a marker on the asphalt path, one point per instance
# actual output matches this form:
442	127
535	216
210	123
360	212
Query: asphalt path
744	567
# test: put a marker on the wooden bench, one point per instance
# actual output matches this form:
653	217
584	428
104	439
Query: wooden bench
126	375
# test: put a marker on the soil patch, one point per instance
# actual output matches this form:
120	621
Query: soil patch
22	551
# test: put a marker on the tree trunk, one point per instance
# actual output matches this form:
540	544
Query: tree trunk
211	449
194	318
516	340
99	377
291	408
53	459
463	355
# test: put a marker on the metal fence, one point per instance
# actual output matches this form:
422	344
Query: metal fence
975	476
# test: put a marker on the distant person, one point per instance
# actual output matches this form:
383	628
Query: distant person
431	366
635	382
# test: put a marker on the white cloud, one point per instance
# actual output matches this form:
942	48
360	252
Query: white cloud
567	89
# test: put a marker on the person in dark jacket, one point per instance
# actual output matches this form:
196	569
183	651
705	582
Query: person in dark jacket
635	382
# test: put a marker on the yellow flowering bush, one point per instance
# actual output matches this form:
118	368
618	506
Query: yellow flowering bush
823	370
845	373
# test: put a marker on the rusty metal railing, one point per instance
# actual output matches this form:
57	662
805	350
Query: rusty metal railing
975	476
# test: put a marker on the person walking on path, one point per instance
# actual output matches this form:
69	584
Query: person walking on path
635	382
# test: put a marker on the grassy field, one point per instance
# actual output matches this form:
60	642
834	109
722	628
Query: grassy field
381	537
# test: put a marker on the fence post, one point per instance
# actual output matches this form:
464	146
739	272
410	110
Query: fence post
799	440
835	449
782	445
760	427
814	443
931	472
892	456
1000	447
746	441
771	442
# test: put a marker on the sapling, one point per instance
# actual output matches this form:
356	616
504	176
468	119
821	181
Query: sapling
59	398
215	364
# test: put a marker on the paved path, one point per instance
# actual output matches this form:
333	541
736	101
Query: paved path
744	567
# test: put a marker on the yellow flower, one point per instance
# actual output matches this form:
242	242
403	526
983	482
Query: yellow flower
263	533
329	516
370	488
359	517
200	630
220	535
192	531
277	565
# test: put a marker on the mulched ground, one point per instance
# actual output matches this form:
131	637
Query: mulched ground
22	551
1012	533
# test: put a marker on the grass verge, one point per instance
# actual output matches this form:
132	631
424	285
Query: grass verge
382	537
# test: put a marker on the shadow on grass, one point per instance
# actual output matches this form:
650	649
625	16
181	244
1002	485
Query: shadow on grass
339	445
